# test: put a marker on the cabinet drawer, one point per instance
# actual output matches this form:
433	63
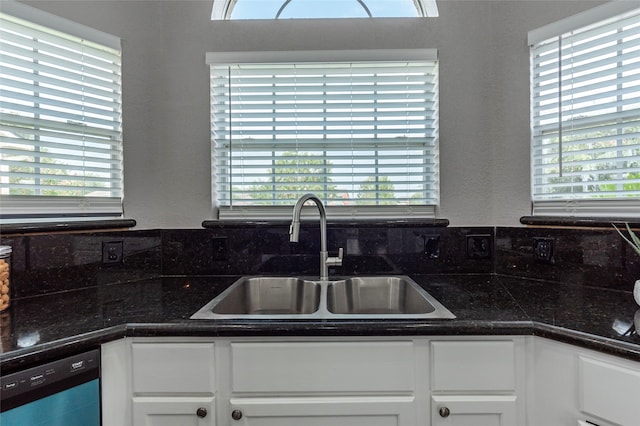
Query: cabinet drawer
314	411
159	411
473	366
485	410
173	368
323	367
610	391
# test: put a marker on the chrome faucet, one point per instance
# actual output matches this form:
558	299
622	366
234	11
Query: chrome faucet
294	232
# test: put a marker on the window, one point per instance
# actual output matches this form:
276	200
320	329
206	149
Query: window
60	122
296	9
586	114
362	135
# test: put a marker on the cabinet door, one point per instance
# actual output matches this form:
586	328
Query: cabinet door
609	390
293	367
473	410
173	368
461	367
339	411
161	411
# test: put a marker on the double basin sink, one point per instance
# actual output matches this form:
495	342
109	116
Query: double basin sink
376	297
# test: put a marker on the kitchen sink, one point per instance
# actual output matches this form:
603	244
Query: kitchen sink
377	295
267	296
371	297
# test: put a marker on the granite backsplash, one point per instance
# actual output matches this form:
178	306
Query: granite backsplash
593	257
47	263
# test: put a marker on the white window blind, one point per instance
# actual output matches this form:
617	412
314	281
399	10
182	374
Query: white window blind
60	122
586	119
357	134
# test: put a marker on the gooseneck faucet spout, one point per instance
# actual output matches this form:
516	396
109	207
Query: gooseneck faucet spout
294	233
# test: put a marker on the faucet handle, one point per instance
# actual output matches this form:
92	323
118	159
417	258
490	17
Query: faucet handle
336	261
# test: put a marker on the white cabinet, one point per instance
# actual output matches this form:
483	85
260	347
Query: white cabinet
609	389
174	411
421	381
474	410
325	411
330	383
477	382
173	368
171	383
266	382
115	383
323	367
568	384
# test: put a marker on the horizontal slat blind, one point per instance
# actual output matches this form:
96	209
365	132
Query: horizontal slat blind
60	123
586	117
356	134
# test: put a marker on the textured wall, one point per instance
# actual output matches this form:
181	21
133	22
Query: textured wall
484	80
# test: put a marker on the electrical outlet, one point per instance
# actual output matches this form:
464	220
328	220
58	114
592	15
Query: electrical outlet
112	252
544	250
219	245
431	246
479	246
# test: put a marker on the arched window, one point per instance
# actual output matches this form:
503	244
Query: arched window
300	9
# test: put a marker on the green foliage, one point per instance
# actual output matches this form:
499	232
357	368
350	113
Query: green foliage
51	177
295	174
632	186
633	239
381	188
601	148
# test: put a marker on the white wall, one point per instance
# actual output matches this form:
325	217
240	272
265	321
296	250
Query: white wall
484	96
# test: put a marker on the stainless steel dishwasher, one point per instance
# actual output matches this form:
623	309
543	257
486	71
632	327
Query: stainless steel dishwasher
65	392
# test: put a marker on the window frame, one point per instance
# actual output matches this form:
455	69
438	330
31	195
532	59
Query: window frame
335	212
220	10
567	207
26	208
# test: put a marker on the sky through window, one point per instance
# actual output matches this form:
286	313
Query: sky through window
300	9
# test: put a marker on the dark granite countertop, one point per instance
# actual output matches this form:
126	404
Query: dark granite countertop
46	327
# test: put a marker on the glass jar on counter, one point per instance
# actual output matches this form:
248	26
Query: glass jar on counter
5	280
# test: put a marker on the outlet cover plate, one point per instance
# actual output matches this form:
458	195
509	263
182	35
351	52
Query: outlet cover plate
479	246
432	246
220	249
112	252
544	250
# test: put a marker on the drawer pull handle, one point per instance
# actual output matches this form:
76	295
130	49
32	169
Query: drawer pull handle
236	414
201	412
444	412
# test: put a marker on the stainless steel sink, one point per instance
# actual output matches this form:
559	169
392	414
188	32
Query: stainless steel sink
265	296
374	297
377	295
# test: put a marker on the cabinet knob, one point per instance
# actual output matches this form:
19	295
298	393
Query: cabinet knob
444	412
236	414
201	412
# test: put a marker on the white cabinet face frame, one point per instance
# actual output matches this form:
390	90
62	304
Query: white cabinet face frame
115	383
223	368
